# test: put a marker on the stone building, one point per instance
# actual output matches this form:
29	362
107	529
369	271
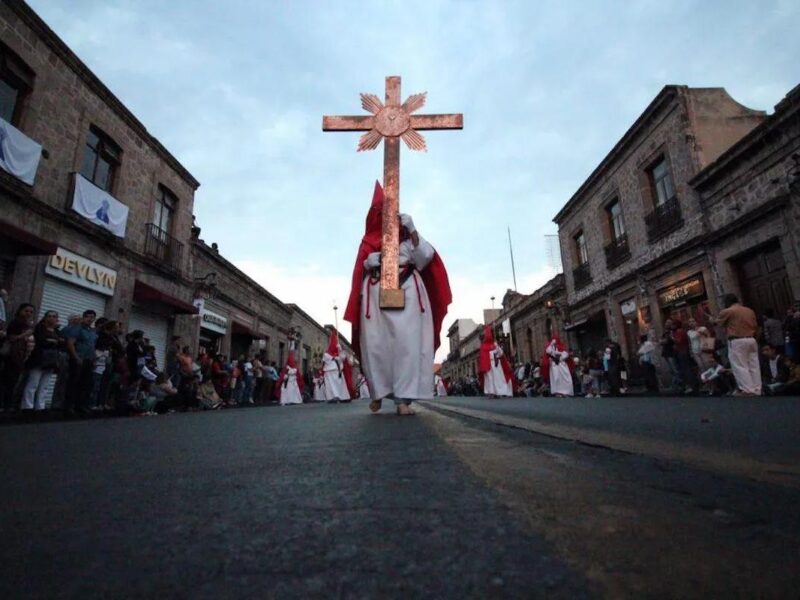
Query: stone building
632	236
239	316
750	198
533	318
100	215
452	367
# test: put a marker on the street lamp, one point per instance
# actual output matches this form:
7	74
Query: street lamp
492	299
336	318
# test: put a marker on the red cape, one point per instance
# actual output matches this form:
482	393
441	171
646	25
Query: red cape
347	368
485	360
434	276
300	383
544	363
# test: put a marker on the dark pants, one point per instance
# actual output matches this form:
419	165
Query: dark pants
685	363
614	381
267	390
257	389
80	385
650	379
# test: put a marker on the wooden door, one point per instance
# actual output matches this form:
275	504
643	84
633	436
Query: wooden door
764	281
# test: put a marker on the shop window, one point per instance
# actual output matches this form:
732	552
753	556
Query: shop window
16	82
101	159
617	250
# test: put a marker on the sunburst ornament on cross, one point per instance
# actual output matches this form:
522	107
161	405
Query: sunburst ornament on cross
391	121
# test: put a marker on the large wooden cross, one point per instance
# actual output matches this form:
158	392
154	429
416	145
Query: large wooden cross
391	121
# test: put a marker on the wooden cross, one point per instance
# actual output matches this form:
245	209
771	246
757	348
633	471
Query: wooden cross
391	121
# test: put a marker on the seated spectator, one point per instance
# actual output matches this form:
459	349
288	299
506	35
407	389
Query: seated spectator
792	386
774	373
717	379
207	394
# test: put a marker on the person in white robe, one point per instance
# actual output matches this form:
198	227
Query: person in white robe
439	387
363	388
333	367
396	346
290	383
319	387
498	379
560	375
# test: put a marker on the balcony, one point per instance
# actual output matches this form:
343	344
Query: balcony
664	219
581	276
162	247
617	252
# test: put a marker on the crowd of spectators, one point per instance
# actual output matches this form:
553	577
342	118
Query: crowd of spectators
698	359
90	367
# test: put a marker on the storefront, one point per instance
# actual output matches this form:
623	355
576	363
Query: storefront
213	328
74	284
685	300
588	333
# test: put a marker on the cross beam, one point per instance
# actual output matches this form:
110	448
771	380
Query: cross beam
391	121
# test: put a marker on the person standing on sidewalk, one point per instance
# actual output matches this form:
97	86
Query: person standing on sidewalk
741	327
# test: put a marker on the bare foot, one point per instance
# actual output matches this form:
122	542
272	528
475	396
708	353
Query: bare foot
375	406
404	410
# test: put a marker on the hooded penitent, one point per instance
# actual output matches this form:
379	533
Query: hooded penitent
290	364
485	359
347	369
434	276
544	363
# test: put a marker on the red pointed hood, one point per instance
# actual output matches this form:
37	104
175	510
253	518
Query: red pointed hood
434	276
544	362
485	360
333	343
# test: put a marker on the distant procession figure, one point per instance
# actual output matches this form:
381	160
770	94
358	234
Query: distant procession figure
396	346
336	369
493	367
319	386
440	389
290	385
556	368
363	388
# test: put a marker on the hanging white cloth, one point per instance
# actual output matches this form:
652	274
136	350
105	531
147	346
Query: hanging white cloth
19	154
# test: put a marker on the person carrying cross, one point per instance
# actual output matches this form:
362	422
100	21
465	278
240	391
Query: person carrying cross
396	346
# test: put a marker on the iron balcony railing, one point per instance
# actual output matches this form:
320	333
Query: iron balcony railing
664	219
161	246
581	276
617	252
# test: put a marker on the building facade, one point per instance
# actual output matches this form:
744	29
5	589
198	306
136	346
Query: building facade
96	213
631	235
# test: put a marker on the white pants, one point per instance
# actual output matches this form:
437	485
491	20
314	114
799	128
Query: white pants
743	354
34	388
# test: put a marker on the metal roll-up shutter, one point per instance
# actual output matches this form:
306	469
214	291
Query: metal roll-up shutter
67	299
156	329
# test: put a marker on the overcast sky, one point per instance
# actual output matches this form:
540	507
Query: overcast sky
236	91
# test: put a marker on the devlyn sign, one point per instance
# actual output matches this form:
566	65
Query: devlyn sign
81	271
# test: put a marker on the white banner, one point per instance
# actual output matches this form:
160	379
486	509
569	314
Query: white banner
19	154
100	207
507	327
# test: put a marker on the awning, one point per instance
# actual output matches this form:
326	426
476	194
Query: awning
147	293
242	329
24	243
576	324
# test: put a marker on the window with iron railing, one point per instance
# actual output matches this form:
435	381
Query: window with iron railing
617	252
663	220
162	247
581	276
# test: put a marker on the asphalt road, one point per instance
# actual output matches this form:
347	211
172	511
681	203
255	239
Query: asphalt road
762	429
283	502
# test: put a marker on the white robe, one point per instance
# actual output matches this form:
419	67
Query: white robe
494	382
290	391
319	389
363	388
560	377
397	345
335	385
441	390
